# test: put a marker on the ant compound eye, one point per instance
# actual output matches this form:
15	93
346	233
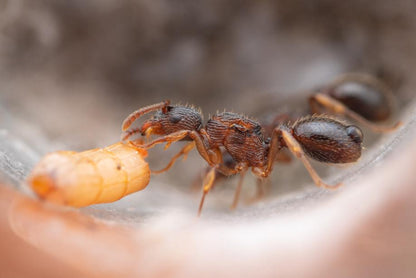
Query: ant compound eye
355	134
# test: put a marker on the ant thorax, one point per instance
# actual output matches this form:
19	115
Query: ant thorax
242	137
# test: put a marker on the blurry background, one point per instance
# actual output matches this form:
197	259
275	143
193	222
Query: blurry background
77	68
71	71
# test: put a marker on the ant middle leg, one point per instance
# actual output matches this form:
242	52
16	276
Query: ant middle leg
260	190
226	171
242	169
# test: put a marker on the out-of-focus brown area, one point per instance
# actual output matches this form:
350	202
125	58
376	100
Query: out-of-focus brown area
70	71
89	64
21	259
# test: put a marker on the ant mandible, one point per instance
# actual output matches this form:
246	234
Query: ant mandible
322	138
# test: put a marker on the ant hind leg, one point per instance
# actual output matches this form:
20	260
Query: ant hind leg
296	149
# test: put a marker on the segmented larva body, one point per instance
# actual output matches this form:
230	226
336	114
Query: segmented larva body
91	177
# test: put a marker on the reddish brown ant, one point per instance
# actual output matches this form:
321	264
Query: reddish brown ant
319	137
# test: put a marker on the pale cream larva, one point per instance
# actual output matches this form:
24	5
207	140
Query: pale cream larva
95	176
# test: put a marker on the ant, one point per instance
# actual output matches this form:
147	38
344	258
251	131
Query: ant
358	96
320	137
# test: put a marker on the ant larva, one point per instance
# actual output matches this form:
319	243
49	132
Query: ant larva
95	176
320	137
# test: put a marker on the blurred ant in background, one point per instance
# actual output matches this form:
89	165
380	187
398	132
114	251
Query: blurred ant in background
360	97
245	143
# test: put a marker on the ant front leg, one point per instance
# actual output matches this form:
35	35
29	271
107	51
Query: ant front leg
138	113
184	151
168	139
212	156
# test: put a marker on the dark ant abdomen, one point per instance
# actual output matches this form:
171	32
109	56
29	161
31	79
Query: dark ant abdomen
368	101
327	140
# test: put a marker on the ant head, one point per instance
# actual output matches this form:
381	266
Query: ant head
172	119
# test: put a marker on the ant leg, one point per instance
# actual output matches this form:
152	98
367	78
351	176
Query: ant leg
275	147
207	154
242	171
260	189
138	113
169	139
280	133
337	107
207	185
184	151
226	171
296	149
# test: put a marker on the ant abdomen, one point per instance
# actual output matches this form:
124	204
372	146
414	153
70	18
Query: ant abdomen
327	140
364	98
